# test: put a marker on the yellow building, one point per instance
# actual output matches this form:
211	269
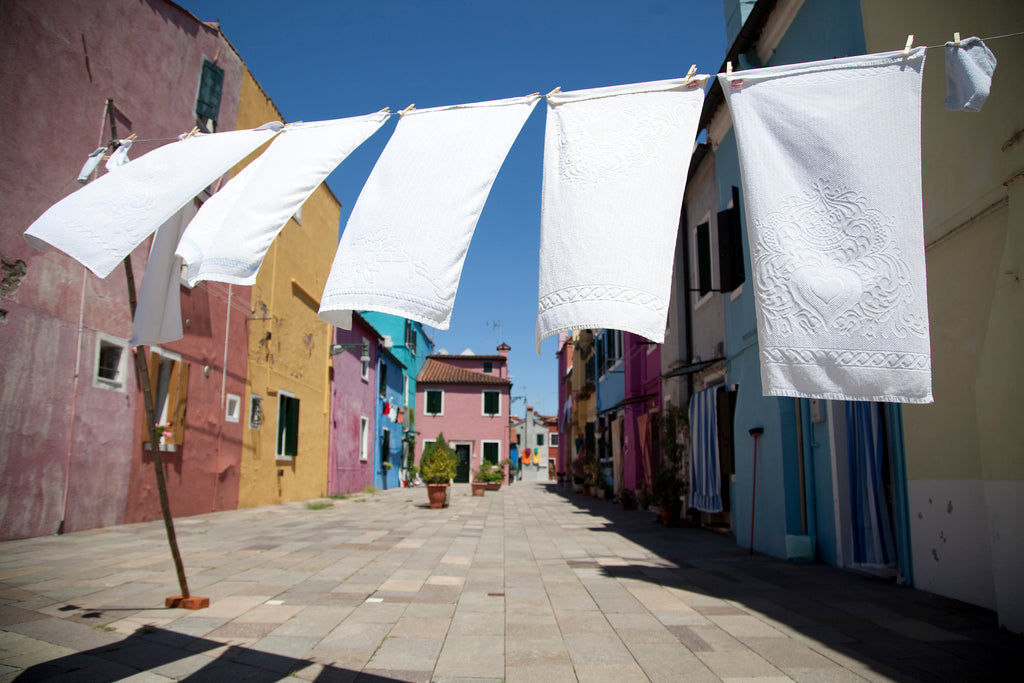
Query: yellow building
285	444
965	463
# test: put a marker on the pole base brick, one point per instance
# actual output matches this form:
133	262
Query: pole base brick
191	602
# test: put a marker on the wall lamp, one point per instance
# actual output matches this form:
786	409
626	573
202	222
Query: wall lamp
340	348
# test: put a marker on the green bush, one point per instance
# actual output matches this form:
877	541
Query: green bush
488	474
437	464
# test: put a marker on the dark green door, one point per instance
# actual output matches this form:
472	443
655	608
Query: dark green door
462	468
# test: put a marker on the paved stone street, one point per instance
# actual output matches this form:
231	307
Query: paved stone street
526	584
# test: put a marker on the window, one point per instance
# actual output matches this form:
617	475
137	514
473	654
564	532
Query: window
410	337
492	403
435	402
553	439
111	362
168	384
491	450
540	439
364	370
730	245
208	100
364	439
287	426
233	408
382	384
704	258
488	367
255	411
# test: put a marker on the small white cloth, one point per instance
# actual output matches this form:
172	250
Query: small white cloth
969	69
230	236
120	156
830	154
615	162
158	311
104	221
90	164
404	245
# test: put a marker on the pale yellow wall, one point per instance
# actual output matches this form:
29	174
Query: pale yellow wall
295	357
973	229
965	461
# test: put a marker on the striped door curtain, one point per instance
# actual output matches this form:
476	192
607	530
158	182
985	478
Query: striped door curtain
873	542
705	473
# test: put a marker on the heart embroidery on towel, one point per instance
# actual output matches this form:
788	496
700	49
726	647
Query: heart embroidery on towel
829	292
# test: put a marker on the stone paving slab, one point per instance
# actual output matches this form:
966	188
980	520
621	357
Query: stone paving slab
530	583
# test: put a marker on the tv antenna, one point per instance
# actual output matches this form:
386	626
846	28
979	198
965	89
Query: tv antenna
496	324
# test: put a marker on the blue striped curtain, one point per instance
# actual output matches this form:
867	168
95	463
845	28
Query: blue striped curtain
705	473
873	541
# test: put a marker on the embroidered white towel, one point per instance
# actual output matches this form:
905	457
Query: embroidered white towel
158	313
404	245
104	221
233	230
615	162
830	154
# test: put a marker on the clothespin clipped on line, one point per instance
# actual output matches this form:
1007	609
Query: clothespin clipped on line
910	42
689	75
557	90
385	110
956	38
407	110
735	84
192	132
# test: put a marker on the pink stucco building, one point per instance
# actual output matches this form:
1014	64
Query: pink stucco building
353	407
466	398
76	75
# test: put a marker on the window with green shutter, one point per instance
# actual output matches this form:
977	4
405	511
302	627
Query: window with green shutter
492	403
435	401
287	425
491	451
210	87
704	258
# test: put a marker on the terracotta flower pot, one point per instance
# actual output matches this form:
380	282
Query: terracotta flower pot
437	493
479	487
493	485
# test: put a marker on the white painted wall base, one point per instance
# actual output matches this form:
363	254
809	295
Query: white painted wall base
949	537
1005	501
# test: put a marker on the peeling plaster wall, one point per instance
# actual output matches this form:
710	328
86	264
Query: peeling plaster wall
62	60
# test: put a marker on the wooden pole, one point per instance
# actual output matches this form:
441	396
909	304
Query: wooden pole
142	367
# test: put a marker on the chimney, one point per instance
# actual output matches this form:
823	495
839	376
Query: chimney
503	349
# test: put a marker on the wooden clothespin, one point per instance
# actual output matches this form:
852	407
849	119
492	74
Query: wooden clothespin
407	110
130	138
691	72
558	89
956	38
534	94
910	42
192	132
385	110
728	68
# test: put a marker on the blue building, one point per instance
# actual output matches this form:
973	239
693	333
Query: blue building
409	344
388	425
800	497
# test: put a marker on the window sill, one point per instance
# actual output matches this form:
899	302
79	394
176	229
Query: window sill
164	447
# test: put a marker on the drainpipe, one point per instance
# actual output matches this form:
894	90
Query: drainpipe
800	465
811	487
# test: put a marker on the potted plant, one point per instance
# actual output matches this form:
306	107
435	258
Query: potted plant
643	496
437	468
478	485
671	482
491	475
579	474
589	470
628	499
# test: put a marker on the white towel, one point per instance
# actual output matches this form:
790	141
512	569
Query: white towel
831	164
230	236
403	248
615	162
158	312
104	221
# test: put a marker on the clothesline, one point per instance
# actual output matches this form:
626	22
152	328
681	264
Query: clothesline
412	107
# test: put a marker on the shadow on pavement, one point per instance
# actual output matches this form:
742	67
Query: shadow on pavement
900	632
182	658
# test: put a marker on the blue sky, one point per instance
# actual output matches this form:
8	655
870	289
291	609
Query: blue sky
331	59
